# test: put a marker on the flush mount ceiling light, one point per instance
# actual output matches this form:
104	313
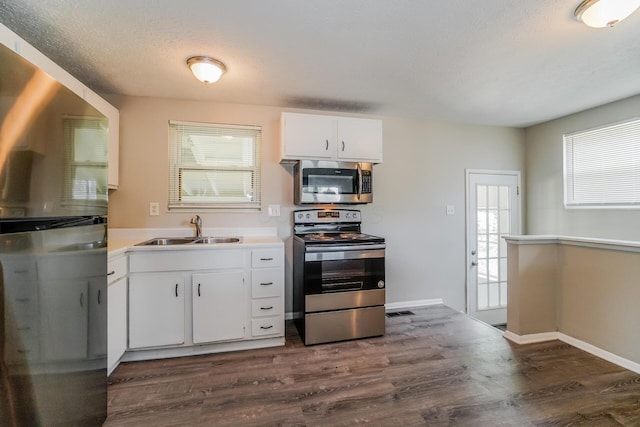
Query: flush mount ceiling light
605	13
206	69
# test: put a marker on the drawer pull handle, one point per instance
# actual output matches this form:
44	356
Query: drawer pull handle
266	283
99	296
266	308
266	259
111	273
198	289
21	271
176	290
81	299
266	327
25	328
22	299
24	351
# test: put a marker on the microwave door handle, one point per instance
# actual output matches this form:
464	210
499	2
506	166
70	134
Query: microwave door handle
359	184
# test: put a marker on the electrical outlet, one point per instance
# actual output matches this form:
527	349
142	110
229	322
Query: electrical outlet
154	209
274	210
451	210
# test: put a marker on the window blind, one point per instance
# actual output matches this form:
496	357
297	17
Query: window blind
214	166
602	167
86	160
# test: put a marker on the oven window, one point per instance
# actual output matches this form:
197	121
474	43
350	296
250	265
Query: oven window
343	275
329	181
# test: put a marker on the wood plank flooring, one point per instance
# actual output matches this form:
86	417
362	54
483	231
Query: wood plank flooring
436	367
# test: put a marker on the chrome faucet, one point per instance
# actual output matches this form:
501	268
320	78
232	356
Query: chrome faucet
197	221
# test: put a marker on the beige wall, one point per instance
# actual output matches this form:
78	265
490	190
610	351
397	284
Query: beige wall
544	176
423	171
599	298
587	293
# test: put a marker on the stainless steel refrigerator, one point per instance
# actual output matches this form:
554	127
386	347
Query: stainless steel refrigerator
53	292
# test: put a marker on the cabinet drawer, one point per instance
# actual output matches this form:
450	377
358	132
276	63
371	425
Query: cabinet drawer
267	283
266	258
266	307
116	268
267	326
19	271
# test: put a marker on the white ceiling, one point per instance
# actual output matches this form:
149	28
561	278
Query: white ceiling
497	62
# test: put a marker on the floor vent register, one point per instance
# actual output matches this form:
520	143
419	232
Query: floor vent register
400	313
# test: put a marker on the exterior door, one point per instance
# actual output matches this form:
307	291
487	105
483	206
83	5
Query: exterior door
493	212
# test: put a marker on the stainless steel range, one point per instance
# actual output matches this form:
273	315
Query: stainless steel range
338	277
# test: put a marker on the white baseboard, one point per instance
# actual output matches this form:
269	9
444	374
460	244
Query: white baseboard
412	304
531	338
603	354
589	348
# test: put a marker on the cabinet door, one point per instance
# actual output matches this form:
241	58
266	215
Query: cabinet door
305	136
219	306
117	334
98	317
360	139
65	319
156	310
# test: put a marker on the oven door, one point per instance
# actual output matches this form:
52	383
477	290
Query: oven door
340	183
346	269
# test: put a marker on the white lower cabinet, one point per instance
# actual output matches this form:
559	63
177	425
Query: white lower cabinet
195	301
156	310
65	319
218	306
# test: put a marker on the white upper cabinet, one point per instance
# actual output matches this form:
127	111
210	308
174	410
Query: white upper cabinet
360	139
307	136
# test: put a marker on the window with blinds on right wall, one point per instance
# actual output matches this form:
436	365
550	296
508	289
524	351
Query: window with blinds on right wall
602	167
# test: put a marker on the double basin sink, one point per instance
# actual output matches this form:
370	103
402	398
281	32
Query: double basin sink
167	241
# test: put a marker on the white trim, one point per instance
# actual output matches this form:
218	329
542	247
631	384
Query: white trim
603	354
165	353
413	304
531	338
587	242
584	346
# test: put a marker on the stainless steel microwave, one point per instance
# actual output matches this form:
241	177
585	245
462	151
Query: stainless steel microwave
326	182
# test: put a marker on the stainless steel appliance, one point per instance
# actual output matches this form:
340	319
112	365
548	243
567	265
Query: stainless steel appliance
325	182
338	277
53	256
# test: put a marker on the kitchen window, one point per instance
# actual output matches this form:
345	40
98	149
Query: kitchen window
87	145
214	166
602	167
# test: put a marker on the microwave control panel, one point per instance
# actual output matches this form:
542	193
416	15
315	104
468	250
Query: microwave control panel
366	182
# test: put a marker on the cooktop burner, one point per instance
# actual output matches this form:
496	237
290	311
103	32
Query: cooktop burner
340	238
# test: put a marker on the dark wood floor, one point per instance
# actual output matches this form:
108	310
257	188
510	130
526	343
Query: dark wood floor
437	367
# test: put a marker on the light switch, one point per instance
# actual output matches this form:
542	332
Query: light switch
274	210
451	210
154	209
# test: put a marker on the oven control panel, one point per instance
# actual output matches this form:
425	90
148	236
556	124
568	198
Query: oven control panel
325	215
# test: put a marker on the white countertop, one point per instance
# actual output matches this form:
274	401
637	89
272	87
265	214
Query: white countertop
124	239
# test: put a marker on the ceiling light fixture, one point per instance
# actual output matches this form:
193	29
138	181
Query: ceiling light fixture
206	69
604	13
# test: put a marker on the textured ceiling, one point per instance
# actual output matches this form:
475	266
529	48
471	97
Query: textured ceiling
498	62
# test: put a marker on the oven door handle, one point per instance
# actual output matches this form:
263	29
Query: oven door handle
359	183
341	255
343	248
